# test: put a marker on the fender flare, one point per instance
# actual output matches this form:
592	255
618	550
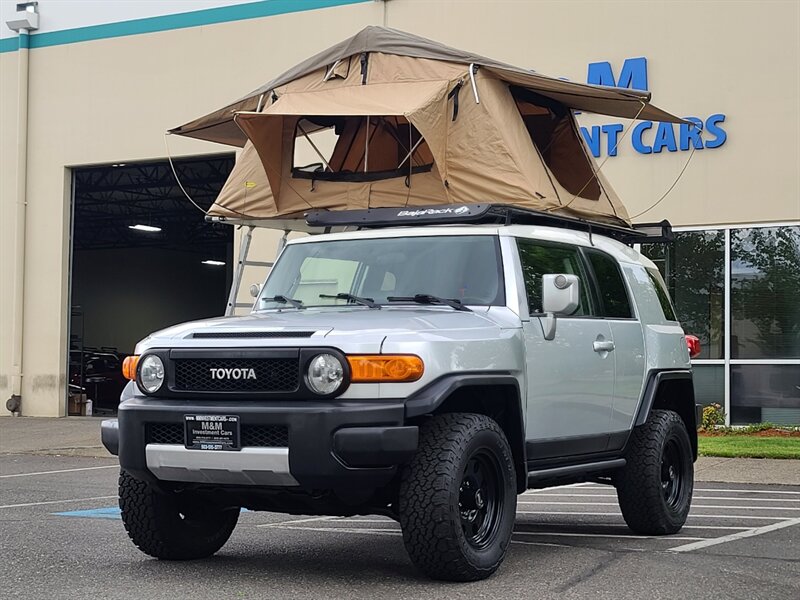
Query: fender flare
428	399
654	380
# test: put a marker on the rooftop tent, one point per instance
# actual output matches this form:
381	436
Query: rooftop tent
409	122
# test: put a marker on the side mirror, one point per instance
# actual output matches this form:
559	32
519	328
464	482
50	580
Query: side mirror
560	296
255	290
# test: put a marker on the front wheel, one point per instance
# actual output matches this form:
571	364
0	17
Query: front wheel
168	527
458	498
655	487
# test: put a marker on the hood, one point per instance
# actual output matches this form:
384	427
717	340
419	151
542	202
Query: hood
313	327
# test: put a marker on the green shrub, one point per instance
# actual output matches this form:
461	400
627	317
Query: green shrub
713	417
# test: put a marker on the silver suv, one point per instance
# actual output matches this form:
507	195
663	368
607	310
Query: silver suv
428	373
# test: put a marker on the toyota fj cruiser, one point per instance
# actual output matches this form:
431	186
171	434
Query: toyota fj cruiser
430	374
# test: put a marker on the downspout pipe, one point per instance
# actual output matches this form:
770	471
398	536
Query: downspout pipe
14	404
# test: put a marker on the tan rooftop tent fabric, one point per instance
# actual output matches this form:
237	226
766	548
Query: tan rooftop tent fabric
415	123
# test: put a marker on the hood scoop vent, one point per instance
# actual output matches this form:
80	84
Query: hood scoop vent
252	334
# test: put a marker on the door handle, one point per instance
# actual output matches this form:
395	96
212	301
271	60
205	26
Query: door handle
603	346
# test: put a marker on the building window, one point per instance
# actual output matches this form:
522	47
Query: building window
757	377
765	394
765	293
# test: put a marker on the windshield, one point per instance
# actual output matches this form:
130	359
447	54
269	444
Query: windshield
465	268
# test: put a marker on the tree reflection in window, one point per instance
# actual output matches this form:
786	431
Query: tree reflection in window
765	292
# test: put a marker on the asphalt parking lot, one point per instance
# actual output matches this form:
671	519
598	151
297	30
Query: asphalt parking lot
62	538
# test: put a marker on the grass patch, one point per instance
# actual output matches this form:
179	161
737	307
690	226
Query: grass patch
749	446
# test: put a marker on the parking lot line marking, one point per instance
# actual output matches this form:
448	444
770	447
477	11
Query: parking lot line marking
736	536
740	491
726	498
344	530
57	501
609	535
278	523
693	505
59	471
617	514
522	543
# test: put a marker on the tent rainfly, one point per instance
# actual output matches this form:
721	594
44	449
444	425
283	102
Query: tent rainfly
412	122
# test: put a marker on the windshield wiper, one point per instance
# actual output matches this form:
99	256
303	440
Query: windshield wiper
285	300
428	299
350	297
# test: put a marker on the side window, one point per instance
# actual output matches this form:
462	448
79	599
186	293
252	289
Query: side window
540	259
612	292
661	292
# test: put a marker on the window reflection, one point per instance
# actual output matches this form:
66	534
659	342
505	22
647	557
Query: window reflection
765	292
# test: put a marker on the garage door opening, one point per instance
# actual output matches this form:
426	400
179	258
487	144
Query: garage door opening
142	258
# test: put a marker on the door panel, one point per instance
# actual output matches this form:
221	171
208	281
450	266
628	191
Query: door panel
630	368
570	386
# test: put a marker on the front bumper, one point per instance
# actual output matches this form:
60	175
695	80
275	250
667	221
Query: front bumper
332	445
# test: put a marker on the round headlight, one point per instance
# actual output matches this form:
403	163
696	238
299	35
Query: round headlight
151	373
325	374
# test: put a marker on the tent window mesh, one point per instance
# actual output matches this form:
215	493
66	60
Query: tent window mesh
357	149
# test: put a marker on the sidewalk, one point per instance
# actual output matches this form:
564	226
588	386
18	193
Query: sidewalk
70	436
80	436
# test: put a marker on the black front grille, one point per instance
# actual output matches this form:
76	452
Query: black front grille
260	436
164	433
265	436
247	375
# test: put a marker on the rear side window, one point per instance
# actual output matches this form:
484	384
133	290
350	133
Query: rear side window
611	288
541	259
661	292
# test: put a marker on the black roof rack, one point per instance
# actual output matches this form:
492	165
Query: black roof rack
499	214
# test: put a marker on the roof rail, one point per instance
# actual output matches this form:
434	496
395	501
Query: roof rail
500	214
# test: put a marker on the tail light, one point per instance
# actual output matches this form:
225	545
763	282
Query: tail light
693	342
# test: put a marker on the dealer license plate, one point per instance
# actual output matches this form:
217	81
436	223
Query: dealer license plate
212	432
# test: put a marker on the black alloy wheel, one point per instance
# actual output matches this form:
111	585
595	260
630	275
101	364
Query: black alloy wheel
671	473
480	499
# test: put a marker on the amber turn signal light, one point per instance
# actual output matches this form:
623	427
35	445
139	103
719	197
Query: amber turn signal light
129	366
385	368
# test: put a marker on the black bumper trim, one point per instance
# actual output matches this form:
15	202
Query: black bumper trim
109	435
312	425
375	446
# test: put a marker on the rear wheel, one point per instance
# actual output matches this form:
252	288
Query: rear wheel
655	487
167	526
458	498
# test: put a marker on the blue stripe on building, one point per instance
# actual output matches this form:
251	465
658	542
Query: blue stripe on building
210	16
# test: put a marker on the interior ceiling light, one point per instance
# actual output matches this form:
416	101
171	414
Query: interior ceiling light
215	263
148	228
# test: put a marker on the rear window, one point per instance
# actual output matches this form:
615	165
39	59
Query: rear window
611	287
661	292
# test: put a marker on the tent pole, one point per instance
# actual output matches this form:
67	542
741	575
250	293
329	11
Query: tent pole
322	158
366	146
410	152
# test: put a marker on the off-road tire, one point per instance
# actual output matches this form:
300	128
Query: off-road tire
640	489
432	487
162	527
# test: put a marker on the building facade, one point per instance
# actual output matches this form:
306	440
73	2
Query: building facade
100	83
